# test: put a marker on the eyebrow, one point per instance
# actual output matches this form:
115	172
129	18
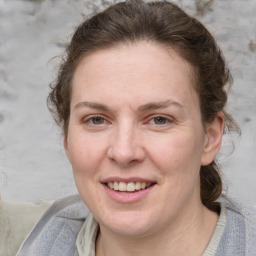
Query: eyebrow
142	108
159	105
93	105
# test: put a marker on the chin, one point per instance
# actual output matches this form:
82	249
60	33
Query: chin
128	223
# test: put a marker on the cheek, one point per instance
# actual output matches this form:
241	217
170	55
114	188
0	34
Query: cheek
86	154
176	154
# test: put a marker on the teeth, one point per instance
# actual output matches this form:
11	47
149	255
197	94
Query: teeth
138	185
148	184
110	185
128	187
122	186
116	187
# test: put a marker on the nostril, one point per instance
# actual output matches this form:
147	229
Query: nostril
124	149
126	156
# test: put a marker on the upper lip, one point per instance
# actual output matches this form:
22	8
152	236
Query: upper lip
126	180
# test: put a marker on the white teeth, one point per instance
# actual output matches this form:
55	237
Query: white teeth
138	185
116	187
128	187
122	186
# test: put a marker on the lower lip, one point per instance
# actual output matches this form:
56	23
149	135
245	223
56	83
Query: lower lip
127	197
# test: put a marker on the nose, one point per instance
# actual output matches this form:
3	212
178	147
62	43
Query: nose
125	147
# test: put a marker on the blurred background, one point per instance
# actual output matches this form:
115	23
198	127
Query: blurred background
33	35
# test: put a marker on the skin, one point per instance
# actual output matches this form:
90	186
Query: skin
117	95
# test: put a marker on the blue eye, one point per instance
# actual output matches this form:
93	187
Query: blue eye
160	120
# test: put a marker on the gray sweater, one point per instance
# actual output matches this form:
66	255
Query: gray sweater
68	229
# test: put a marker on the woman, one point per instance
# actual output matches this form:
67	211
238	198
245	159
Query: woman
140	98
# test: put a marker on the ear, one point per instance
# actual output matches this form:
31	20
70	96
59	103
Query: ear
213	138
65	143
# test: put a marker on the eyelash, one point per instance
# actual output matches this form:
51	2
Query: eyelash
90	120
167	120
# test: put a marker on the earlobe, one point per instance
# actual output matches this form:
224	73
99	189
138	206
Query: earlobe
213	138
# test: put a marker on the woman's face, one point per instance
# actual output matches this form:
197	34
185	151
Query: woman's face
135	138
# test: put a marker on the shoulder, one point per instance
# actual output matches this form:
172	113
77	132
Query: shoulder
239	237
16	222
56	232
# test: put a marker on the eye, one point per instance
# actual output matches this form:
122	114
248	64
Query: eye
97	120
94	120
160	120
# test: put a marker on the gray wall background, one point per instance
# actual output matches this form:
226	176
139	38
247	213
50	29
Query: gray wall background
32	161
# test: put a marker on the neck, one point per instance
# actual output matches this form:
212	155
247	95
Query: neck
191	233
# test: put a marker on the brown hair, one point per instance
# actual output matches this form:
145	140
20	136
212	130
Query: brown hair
166	24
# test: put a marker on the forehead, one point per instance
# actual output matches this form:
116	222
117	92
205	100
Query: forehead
133	69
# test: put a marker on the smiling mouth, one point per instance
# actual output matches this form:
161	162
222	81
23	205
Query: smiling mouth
128	186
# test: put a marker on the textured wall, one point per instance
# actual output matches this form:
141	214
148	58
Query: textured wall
32	161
